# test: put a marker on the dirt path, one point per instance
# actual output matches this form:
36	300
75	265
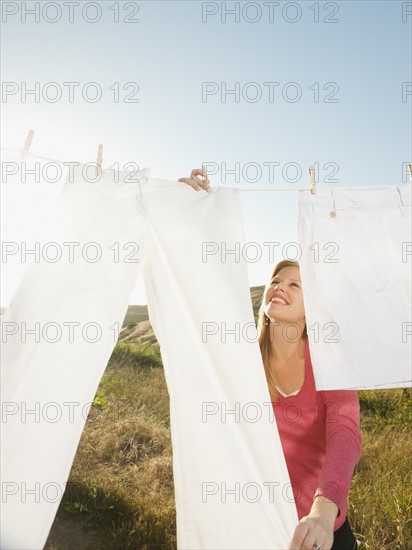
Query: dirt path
70	535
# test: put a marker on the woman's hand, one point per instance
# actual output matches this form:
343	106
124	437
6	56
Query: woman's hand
316	527
196	182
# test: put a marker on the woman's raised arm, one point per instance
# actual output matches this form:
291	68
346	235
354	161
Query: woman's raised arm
197	183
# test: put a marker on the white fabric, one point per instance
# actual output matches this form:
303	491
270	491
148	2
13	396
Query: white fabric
168	221
164	225
356	277
287	394
37	451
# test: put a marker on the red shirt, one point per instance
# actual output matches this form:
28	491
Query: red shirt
321	440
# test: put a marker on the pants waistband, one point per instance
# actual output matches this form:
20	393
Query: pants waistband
400	195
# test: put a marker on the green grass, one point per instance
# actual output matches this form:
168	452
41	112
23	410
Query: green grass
386	407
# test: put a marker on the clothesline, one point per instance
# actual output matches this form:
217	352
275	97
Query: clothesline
332	188
240	189
31	155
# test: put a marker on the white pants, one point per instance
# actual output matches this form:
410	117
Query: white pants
356	276
231	482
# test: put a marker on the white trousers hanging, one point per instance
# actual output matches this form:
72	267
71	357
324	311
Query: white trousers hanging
231	482
356	277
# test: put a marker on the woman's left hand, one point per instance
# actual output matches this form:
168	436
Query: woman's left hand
315	529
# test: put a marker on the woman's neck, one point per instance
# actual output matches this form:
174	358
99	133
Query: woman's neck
283	351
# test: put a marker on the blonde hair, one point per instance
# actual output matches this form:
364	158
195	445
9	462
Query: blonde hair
264	334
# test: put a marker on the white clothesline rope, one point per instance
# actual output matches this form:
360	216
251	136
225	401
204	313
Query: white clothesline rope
332	188
19	151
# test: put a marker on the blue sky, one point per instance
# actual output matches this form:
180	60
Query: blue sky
171	50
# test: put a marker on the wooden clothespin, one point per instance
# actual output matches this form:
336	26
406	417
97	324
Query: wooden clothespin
205	178
410	169
99	160
27	144
312	180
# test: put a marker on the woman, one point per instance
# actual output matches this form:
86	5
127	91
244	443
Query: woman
320	431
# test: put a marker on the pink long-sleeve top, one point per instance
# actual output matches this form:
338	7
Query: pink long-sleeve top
321	440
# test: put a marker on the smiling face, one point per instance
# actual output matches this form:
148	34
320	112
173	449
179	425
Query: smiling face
284	296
